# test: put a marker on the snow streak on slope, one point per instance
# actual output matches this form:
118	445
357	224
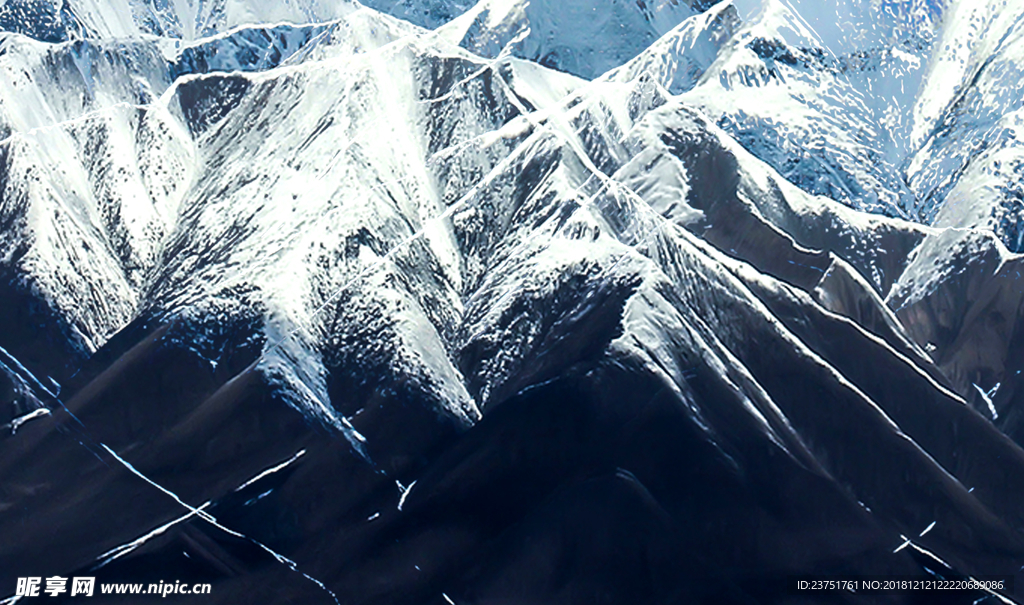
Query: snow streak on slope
582	37
831	113
487	282
253	213
62	20
899	108
92	177
425	13
969	167
97	163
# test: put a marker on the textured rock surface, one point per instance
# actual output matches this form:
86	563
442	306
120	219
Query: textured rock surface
318	305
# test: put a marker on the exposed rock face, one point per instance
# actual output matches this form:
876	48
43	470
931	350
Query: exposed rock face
323	307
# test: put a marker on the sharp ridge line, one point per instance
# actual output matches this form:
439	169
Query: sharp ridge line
447	213
610	183
90	115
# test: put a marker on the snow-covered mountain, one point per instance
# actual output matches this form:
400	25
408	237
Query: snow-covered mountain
967	169
423	302
583	37
823	92
63	20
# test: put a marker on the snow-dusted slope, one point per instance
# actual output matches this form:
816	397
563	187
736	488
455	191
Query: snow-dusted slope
908	109
582	37
413	324
968	170
92	176
899	108
829	105
61	20
961	297
96	165
425	13
678	60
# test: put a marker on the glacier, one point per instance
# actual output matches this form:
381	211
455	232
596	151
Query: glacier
655	301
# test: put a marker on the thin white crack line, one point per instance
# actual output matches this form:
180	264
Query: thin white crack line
22	372
192	510
213	521
119	551
272	470
405	493
981	585
115	553
35	384
581	155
